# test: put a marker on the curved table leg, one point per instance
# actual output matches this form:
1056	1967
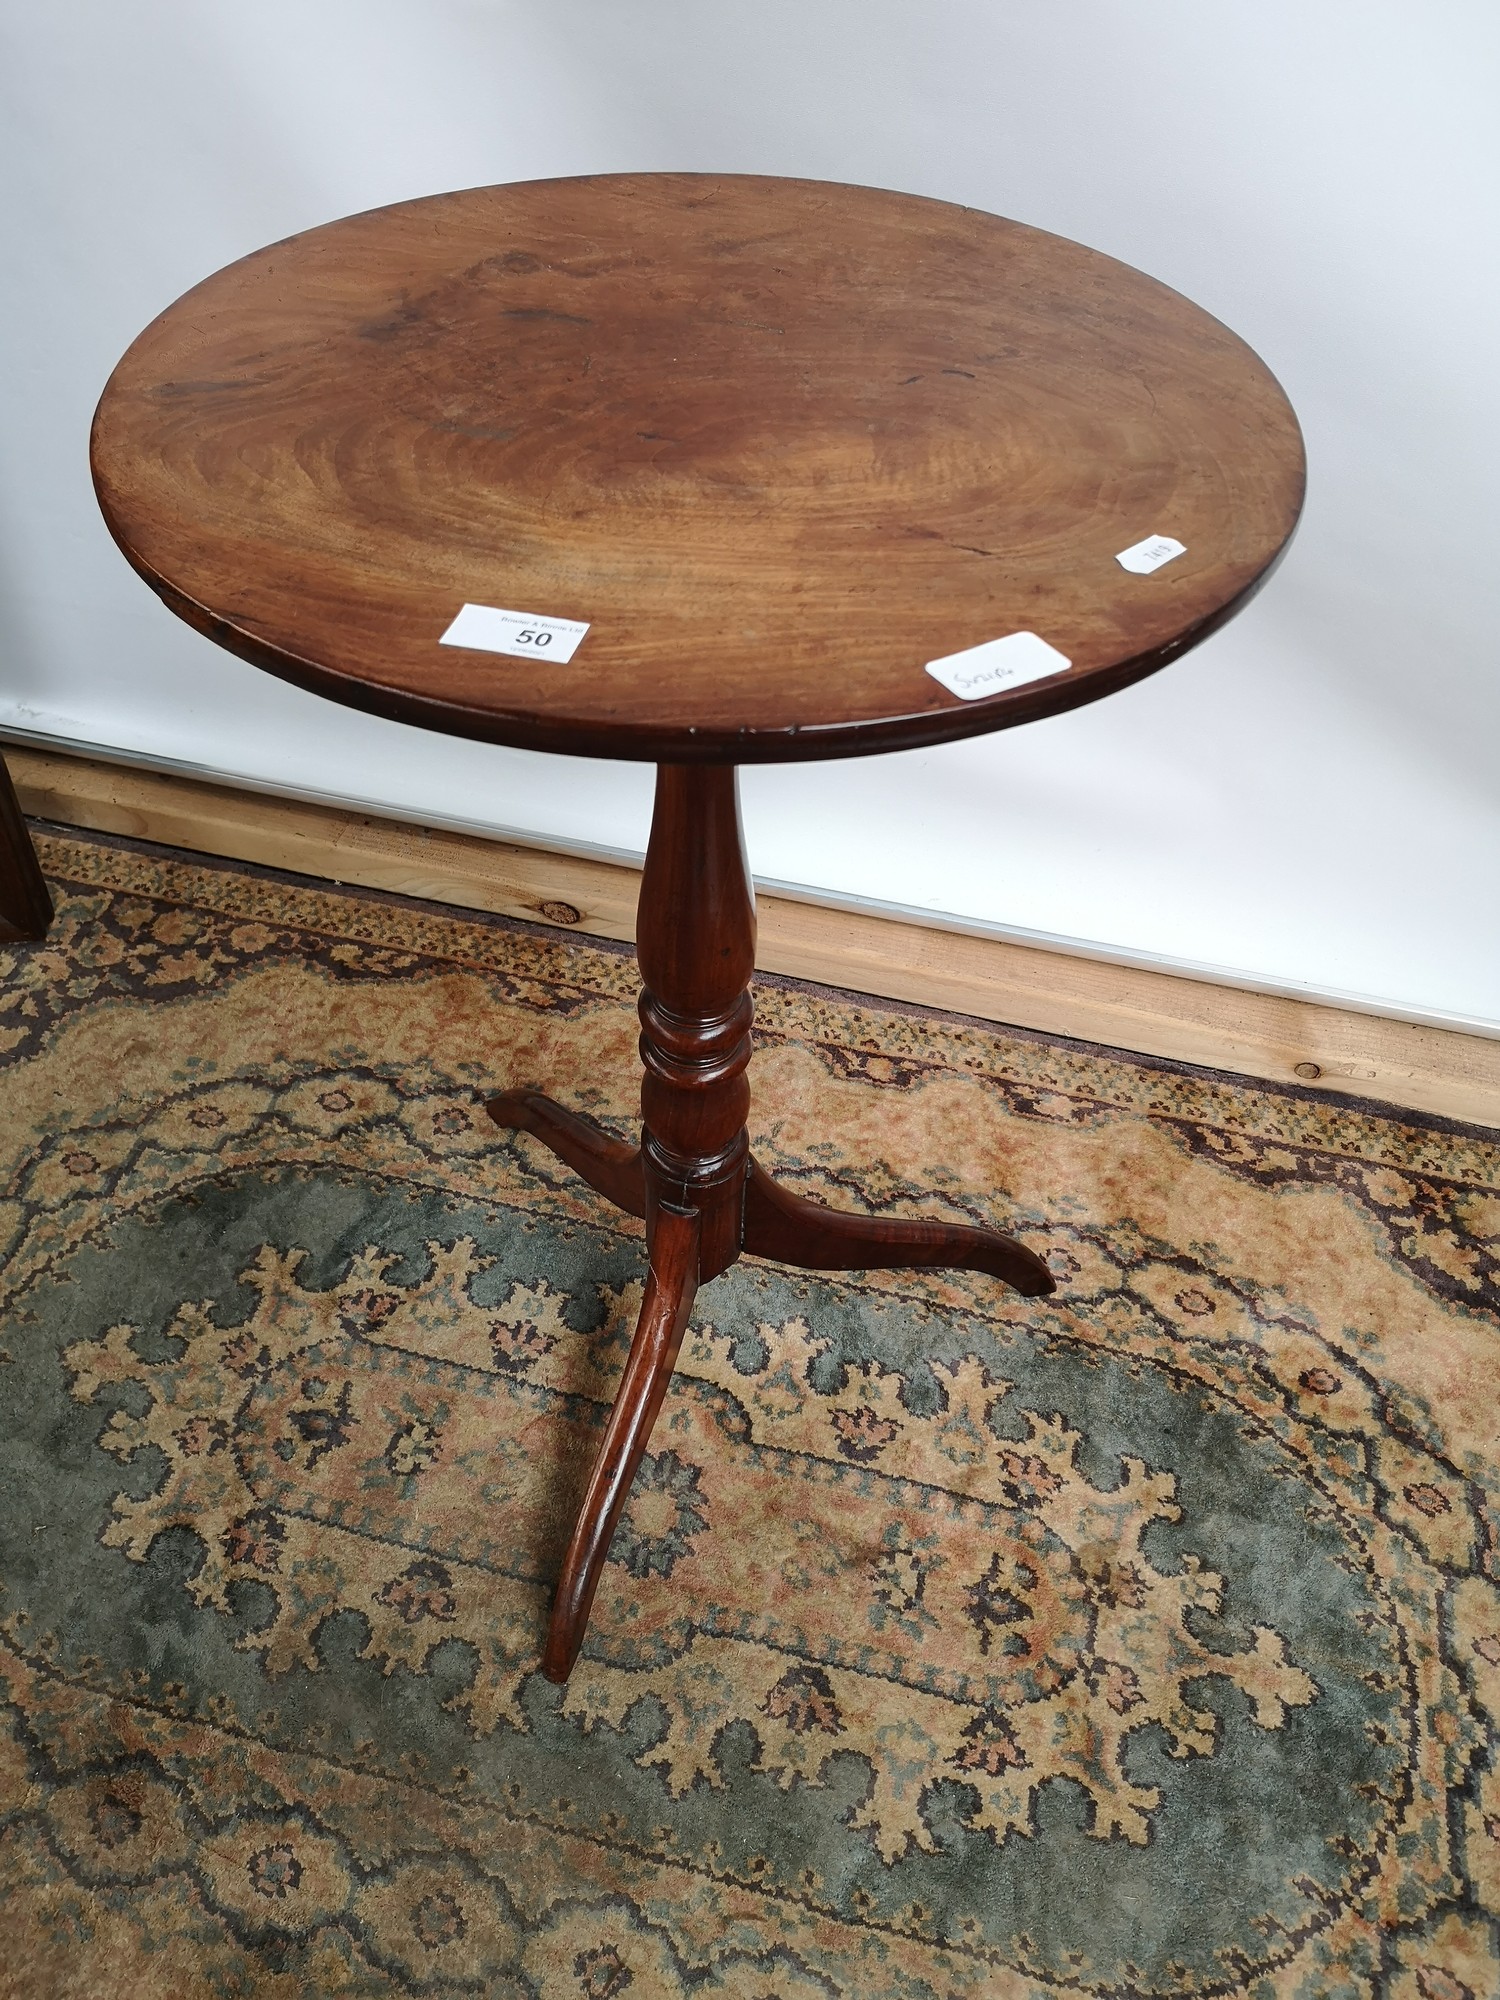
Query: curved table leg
793	1230
670	1289
607	1164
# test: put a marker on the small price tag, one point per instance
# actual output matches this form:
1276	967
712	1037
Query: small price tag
525	635
1150	554
998	664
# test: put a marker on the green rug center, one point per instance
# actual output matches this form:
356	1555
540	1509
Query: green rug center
913	1615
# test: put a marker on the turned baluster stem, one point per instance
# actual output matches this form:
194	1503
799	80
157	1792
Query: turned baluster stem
695	942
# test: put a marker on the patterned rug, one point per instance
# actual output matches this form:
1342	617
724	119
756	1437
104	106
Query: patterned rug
1140	1641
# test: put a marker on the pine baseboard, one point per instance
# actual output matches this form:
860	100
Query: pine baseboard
1422	1068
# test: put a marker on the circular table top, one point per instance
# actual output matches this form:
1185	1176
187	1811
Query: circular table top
779	444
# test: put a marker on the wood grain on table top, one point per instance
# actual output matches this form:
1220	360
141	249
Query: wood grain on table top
779	443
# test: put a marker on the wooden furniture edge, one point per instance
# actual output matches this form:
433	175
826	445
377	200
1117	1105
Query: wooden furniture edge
25	903
1421	1068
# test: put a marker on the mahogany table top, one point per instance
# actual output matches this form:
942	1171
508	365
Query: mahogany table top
778	443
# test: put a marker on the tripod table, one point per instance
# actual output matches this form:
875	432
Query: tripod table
706	470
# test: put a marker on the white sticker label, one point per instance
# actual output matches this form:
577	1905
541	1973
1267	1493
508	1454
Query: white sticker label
1150	554
998	664
527	635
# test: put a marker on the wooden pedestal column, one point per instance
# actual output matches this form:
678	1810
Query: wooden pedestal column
704	1198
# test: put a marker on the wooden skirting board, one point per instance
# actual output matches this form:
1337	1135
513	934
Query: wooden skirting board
1155	1013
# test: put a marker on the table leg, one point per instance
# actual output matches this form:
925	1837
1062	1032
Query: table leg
596	1156
25	903
704	1199
670	1287
792	1230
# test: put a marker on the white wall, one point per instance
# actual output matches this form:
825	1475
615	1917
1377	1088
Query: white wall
1311	799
